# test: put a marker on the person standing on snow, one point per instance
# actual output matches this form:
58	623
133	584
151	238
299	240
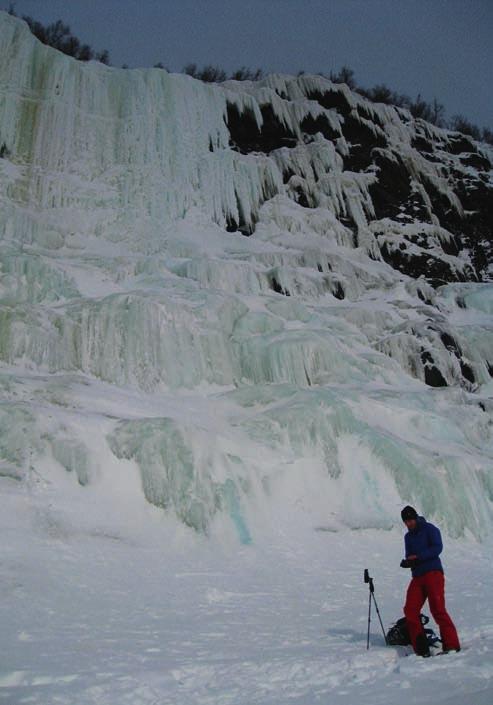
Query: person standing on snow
423	545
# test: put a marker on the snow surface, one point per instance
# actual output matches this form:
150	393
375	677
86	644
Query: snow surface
97	610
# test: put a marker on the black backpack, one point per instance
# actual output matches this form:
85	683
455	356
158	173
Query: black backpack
398	634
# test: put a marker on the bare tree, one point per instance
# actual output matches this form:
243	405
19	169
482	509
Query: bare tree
191	70
461	124
487	135
58	35
246	74
345	75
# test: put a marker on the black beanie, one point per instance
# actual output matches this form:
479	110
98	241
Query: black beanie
409	513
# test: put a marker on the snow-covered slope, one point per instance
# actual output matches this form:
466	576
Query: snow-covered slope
231	298
92	617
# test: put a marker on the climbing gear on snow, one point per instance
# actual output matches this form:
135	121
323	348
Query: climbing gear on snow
371	595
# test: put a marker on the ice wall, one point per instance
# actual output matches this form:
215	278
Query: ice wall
242	294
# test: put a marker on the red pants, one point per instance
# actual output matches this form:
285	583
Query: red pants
432	586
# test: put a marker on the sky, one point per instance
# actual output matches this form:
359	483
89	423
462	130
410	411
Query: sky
439	49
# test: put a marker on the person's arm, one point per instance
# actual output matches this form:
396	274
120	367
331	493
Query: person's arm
435	545
410	560
409	556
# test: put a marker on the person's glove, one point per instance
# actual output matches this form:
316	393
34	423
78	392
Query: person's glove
409	562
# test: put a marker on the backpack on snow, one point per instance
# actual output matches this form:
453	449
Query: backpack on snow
398	634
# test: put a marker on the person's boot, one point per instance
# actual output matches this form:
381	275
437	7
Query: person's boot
422	646
448	651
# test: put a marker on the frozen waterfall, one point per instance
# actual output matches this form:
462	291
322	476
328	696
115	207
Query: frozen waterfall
215	290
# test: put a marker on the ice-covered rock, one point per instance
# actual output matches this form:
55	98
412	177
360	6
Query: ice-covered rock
337	359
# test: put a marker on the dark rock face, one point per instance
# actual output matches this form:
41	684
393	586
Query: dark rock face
393	188
338	291
276	286
453	347
470	227
422	145
433	376
438	271
362	142
246	136
331	99
458	144
311	126
431	176
476	233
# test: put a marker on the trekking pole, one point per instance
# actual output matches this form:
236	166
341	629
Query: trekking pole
371	587
369	615
380	619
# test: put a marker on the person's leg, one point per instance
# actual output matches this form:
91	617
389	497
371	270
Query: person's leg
415	598
435	587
